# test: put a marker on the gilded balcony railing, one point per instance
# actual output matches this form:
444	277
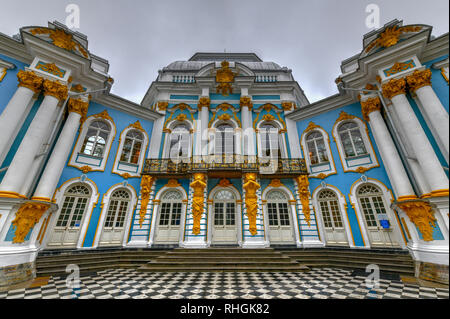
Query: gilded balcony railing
234	163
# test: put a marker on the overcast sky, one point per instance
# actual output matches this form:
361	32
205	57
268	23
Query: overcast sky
140	37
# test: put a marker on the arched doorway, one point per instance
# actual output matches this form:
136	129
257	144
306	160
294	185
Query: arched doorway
279	218
66	232
224	219
114	224
377	222
169	218
333	222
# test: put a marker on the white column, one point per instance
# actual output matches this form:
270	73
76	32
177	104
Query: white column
56	163
426	156
17	109
204	116
391	159
420	83
292	134
248	134
32	142
155	141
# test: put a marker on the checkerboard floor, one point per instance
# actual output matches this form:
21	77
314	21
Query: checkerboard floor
318	283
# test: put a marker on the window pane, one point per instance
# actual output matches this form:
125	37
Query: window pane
347	144
176	214
126	150
165	214
136	152
218	214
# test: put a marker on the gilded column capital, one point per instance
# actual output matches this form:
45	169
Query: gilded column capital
246	101
162	105
55	89
287	106
78	106
394	87
204	101
370	105
421	214
30	80
419	79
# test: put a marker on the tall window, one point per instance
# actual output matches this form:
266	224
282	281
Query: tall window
224	209
351	139
132	146
316	148
270	141
76	199
170	209
277	208
224	141
179	142
329	207
95	141
117	210
372	204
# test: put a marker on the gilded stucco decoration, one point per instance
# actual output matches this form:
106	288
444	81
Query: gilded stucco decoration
85	169
26	217
421	214
78	106
224	182
198	185
275	183
104	115
173	183
394	87
287	106
30	80
203	102
370	105
146	187
399	67
51	68
251	200
391	36
246	101
61	39
303	192
55	89
162	106
419	79
225	77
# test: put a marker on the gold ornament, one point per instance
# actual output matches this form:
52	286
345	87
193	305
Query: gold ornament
421	214
203	102
224	117
78	106
50	68
251	200
198	185
146	187
224	76
394	87
399	67
287	106
390	36
311	126
246	101
224	182
137	125
419	79
303	192
162	106
181	117
275	183
268	117
30	80
370	105
55	89
104	115
26	217
172	183
77	88
85	169
61	39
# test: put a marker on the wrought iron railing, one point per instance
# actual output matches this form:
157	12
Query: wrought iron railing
276	166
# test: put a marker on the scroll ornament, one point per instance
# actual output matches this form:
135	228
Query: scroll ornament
251	200
146	186
421	214
198	185
303	192
26	217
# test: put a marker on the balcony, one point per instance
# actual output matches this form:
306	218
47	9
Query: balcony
225	166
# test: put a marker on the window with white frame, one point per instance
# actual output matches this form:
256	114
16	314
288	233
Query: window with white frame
224	139
270	142
117	210
316	148
372	204
95	140
179	142
132	147
171	205
351	139
329	207
76	200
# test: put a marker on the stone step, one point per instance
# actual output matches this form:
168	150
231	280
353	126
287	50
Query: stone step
256	259
225	268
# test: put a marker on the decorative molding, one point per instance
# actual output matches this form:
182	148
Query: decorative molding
162	105
391	36
50	68
26	217
61	39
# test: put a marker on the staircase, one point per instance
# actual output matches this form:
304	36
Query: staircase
223	260
394	261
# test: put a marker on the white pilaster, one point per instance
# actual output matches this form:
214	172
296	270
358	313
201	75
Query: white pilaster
155	141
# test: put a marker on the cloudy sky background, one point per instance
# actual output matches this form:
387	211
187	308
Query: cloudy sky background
140	37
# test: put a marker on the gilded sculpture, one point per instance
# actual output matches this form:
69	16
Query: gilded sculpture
251	200
421	214
224	76
303	192
26	217
198	185
146	186
61	39
391	36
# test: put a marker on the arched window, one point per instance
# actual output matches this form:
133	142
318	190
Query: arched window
117	210
329	207
171	208
132	147
277	207
351	139
179	141
371	199
76	199
224	141
224	208
270	143
95	140
316	148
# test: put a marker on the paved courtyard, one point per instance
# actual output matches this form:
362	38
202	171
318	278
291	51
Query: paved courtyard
318	283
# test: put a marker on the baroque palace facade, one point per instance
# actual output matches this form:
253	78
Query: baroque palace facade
224	150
